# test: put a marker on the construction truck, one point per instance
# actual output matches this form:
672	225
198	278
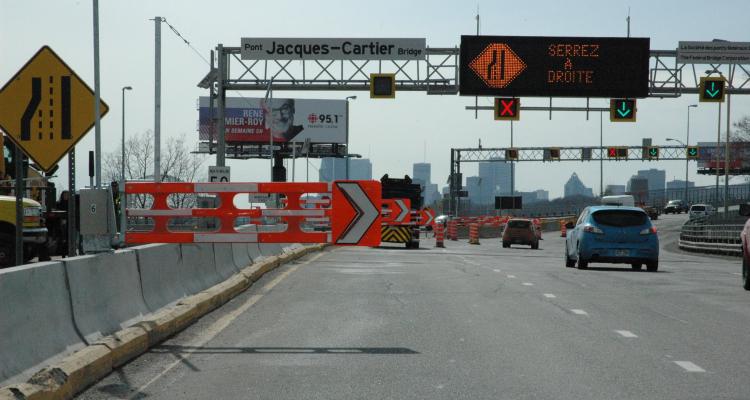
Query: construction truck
35	232
407	233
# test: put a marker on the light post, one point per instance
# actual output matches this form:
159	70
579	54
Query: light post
686	144
123	200
718	141
347	135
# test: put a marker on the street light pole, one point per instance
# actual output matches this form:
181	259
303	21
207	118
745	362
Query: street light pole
347	134
123	200
687	143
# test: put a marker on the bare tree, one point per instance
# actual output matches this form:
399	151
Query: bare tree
741	132
178	164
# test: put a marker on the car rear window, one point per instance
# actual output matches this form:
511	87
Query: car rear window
673	202
698	208
519	224
620	218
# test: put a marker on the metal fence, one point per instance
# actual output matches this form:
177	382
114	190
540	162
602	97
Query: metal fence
711	238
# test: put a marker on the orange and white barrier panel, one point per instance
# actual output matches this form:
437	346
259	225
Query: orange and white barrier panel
353	215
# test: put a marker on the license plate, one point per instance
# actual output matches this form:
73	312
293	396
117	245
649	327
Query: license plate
622	253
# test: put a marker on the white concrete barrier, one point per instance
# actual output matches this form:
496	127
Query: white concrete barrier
162	274
105	291
241	258
253	251
270	249
199	266
224	260
36	320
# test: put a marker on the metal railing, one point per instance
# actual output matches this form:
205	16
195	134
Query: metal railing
710	238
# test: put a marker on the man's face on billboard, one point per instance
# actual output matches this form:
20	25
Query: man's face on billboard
282	116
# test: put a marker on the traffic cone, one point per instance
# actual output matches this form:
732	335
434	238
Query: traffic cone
439	231
563	229
474	233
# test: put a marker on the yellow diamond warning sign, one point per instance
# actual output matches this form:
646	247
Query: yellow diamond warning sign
497	65
46	108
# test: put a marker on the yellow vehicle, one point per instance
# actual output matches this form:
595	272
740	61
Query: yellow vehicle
34	229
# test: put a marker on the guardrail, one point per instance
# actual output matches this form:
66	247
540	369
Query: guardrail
709	238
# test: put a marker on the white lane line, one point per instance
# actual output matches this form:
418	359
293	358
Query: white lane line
222	323
528	284
549	295
689	367
496	270
627	334
511	276
737	273
578	311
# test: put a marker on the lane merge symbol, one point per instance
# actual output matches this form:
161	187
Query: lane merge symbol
498	65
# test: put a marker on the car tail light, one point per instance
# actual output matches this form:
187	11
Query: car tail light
592	229
649	231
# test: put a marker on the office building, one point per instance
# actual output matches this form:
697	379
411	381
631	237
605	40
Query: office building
495	180
542	195
679	184
575	187
332	169
421	173
360	169
639	188
657	179
614	190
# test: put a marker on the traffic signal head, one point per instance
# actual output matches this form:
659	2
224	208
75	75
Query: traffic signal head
650	152
622	110
554	153
507	109
712	89
617	152
511	154
382	86
692	152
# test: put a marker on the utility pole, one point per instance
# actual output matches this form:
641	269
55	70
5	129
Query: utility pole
601	149
220	107
97	121
157	99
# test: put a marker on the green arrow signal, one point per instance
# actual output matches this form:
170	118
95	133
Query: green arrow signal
713	92
653	152
692	151
624	111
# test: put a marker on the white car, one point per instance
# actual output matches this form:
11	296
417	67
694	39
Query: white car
700	211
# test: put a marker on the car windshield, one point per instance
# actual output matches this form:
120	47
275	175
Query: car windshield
674	202
620	218
698	208
519	224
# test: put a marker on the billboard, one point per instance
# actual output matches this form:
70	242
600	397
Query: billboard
332	49
513	66
252	120
739	157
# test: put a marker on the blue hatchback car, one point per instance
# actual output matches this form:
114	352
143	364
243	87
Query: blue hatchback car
612	234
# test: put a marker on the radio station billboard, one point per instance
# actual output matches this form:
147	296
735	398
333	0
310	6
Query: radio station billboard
253	120
513	66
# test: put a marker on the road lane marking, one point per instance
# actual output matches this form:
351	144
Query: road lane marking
549	295
511	276
528	284
627	334
578	311
496	270
689	367
737	273
222	323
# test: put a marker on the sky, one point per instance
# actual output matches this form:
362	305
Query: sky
393	133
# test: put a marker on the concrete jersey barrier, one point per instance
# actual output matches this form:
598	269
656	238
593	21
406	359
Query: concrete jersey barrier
36	319
270	249
253	251
224	260
239	253
105	291
198	266
162	274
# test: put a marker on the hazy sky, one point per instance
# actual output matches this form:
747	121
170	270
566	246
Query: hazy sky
392	132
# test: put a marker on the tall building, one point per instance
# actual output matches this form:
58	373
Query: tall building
657	178
360	169
542	195
639	188
496	178
332	169
574	187
474	187
614	190
421	173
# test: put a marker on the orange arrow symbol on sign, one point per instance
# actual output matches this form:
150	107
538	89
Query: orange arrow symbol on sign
498	65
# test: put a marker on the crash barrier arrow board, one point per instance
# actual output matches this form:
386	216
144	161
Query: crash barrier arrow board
46	108
396	211
354	214
425	217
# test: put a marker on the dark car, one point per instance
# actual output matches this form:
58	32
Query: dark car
520	231
676	207
652	212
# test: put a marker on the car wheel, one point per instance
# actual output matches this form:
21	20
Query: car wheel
415	245
652	266
745	274
636	266
506	244
568	262
582	264
7	251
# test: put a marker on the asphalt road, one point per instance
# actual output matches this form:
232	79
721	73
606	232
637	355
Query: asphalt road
465	322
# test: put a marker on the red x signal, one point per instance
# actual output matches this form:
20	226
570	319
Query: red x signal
507	109
612	152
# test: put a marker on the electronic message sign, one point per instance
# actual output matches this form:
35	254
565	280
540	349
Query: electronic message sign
554	66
